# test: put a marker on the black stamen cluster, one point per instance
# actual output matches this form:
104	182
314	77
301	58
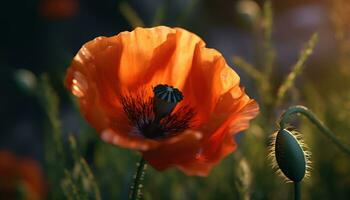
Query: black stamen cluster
139	110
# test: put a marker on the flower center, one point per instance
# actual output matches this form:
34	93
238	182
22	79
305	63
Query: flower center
154	117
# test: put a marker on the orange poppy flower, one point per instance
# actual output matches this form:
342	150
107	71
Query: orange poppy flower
20	178
162	92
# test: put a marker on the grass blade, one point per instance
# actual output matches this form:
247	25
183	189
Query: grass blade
296	69
130	15
269	52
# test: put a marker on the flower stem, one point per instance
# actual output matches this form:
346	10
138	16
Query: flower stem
136	187
319	124
297	190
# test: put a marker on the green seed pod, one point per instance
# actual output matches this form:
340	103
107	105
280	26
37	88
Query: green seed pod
290	156
165	99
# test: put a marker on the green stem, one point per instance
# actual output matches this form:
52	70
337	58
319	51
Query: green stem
135	188
297	190
319	124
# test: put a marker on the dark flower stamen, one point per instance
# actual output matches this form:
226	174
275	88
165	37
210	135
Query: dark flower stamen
165	100
153	116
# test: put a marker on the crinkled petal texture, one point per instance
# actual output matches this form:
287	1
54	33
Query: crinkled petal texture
107	67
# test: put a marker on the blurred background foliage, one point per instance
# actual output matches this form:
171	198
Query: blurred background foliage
271	44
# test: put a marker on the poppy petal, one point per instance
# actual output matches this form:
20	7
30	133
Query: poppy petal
174	150
120	139
216	149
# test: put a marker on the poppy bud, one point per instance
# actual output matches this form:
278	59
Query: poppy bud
290	156
164	101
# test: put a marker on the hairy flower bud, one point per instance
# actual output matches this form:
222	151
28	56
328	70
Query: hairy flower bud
290	156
